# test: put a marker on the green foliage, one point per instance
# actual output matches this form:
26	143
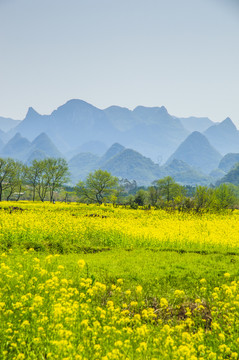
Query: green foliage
167	194
168	189
98	187
224	197
231	177
141	197
9	173
41	177
57	172
47	175
203	198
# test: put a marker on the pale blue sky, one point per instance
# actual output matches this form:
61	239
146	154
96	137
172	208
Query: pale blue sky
183	54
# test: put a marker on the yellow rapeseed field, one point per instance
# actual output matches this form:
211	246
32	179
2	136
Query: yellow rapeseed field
86	225
54	309
45	315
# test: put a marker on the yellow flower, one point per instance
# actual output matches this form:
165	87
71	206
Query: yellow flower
139	289
227	275
81	263
163	303
25	323
118	344
179	293
20	356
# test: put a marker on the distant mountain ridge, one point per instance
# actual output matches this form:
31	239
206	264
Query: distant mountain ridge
150	130
7	124
196	124
228	161
197	152
130	164
224	137
20	148
143	140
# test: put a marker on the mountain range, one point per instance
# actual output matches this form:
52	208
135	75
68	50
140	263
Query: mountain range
148	142
195	144
20	148
130	164
150	130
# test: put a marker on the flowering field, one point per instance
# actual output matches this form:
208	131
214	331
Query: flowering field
89	282
63	228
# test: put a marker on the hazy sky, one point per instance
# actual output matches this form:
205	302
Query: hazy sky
183	54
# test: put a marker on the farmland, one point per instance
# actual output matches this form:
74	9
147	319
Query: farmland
103	282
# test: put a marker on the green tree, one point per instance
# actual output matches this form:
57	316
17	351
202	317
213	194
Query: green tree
6	174
98	187
203	198
168	189
224	197
17	179
153	195
141	197
47	175
32	177
57	174
42	179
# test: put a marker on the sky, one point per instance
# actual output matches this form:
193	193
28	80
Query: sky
183	55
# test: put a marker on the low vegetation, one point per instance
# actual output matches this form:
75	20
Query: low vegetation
102	282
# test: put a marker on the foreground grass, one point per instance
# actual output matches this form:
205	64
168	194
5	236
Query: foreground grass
89	282
52	308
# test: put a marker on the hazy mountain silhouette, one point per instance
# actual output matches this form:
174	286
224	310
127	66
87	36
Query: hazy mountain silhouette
132	165
185	174
193	123
114	150
228	162
78	127
231	177
71	125
216	175
197	152
21	148
93	147
152	131
224	137
36	155
43	143
33	125
2	143
123	119
81	165
17	148
7	124
157	133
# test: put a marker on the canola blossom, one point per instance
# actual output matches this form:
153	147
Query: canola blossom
51	308
66	228
46	315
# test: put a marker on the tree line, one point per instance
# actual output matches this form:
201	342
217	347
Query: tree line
42	178
100	186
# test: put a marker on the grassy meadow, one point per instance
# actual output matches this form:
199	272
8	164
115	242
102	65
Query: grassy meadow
99	282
